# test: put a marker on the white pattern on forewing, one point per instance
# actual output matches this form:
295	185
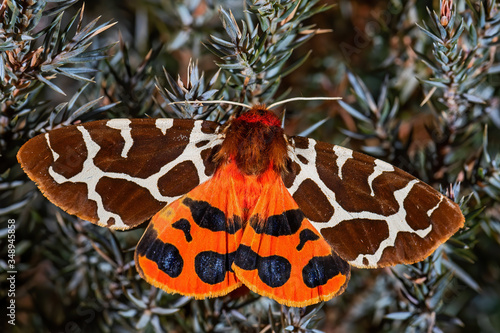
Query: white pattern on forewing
125	131
430	211
379	168
342	157
54	154
396	222
91	174
163	124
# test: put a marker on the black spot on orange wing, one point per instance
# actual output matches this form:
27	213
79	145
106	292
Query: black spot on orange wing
185	226
235	223
165	255
279	225
202	212
211	218
306	235
211	267
246	258
319	270
272	270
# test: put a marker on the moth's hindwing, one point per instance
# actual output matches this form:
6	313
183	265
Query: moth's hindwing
119	172
189	246
372	213
283	257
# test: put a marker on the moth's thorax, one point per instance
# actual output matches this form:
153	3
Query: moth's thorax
255	142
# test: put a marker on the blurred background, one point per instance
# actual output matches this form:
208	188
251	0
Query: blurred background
419	82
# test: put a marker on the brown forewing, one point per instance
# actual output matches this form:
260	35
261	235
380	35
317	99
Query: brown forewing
119	173
372	213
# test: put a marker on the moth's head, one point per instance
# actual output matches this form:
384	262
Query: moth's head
260	114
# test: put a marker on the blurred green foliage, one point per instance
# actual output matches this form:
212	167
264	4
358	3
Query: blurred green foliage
420	85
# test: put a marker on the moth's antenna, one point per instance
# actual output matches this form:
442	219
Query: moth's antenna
283	119
303	99
213	102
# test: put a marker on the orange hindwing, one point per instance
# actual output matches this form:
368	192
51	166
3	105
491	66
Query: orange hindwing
190	245
237	229
283	257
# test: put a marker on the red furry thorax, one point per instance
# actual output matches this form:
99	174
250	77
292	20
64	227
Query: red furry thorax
255	142
259	114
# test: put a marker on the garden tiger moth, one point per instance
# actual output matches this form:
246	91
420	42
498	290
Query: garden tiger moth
240	203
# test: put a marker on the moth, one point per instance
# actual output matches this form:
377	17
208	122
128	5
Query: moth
240	203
